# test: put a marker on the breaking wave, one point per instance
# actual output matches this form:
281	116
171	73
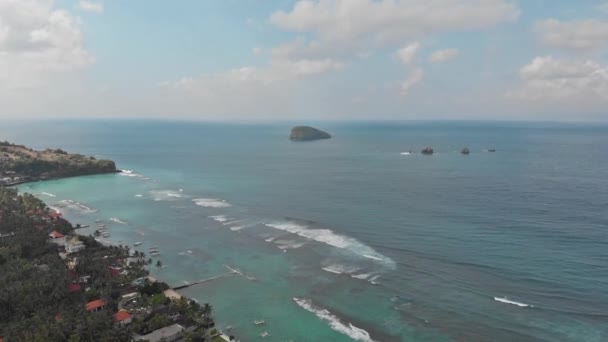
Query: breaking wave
76	206
287	244
219	218
117	220
47	194
512	302
339	269
335	323
165	195
130	173
329	237
211	203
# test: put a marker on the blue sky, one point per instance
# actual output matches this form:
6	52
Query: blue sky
309	59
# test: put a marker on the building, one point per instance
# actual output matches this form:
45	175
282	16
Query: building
168	334
96	305
56	235
74	245
123	317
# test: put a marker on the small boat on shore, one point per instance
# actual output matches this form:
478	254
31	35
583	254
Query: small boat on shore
259	322
427	151
465	151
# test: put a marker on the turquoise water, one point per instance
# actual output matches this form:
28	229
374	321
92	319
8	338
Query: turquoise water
349	239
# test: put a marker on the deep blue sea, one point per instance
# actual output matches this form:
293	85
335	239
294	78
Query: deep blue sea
354	238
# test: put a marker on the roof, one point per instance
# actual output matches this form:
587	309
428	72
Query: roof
73	288
121	315
95	304
158	335
55	234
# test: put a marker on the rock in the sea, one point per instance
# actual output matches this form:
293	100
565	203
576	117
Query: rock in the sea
307	133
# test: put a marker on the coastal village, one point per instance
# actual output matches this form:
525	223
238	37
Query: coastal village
107	282
72	287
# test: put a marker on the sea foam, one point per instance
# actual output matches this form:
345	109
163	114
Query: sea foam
329	237
512	302
48	194
165	195
211	203
335	323
117	220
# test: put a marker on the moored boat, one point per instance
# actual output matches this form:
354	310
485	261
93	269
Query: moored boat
465	151
427	151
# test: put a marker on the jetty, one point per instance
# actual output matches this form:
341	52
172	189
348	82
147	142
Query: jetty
232	272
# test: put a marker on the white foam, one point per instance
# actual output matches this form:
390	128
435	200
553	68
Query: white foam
405	153
339	269
47	194
373	257
165	195
335	323
138	195
331	270
270	239
512	302
328	237
117	220
288	244
219	218
211	203
373	279
362	276
77	206
237	228
129	173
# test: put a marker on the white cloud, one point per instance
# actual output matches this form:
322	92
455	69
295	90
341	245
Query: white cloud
37	40
442	56
577	35
407	54
90	6
345	26
561	84
412	80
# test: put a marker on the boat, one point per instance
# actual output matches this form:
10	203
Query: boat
259	322
492	150
137	243
465	151
427	151
97	221
264	334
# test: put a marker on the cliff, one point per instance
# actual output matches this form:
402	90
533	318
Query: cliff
307	133
25	162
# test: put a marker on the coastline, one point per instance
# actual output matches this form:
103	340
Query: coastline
170	293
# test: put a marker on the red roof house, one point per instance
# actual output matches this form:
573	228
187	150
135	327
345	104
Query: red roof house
122	317
55	235
96	305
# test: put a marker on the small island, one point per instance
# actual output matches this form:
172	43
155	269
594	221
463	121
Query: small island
19	164
307	133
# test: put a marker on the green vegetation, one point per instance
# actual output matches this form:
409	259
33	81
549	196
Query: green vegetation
44	293
49	163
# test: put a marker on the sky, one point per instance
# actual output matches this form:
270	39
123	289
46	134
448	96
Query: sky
225	60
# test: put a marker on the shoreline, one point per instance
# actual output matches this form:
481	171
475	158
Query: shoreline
108	242
8	185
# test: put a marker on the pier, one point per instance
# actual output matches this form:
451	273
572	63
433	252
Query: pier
233	272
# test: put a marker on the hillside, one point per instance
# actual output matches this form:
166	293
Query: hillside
18	161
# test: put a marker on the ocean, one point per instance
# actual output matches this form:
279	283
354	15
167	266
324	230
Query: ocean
355	238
